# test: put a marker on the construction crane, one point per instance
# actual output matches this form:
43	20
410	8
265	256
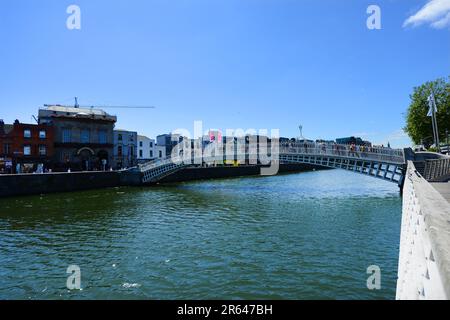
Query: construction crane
76	105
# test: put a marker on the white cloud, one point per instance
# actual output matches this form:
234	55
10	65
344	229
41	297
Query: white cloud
435	12
442	23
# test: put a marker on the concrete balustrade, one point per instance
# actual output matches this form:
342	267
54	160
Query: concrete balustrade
436	169
424	262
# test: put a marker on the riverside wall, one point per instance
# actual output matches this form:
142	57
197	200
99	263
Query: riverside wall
34	184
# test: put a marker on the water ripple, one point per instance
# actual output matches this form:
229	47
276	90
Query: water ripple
298	236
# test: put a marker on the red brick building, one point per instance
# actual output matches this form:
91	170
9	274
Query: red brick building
25	148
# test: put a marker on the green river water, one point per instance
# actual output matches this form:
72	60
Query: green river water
297	236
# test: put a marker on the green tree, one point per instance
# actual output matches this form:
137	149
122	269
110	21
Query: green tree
418	124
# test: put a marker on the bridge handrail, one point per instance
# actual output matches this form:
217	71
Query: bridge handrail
155	163
388	155
378	150
424	264
436	168
395	156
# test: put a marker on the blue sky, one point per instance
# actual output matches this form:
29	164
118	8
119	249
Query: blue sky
229	63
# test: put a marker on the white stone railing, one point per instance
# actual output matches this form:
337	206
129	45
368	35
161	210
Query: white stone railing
424	262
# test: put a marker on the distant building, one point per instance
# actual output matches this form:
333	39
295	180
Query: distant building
214	136
160	152
25	148
303	141
125	149
146	149
84	138
354	140
284	140
168	142
325	141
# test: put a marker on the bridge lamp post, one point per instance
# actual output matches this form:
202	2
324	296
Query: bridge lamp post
301	137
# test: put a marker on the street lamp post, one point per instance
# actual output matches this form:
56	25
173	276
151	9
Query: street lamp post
432	113
446	137
447	147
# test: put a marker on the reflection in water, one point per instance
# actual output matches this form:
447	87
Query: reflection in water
298	236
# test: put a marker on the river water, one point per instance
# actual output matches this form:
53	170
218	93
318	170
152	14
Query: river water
297	236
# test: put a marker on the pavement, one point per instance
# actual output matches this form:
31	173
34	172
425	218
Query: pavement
443	188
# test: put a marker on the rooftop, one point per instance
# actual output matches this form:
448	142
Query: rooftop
88	111
64	111
8	128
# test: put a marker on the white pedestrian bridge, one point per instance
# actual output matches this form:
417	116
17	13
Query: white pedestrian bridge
383	163
424	259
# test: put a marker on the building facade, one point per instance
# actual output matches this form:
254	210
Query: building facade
168	142
160	152
26	148
146	149
125	149
353	140
84	138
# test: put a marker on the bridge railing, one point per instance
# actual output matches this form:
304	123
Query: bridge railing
155	164
424	262
387	155
435	169
395	156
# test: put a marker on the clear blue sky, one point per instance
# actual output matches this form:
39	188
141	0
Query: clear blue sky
230	63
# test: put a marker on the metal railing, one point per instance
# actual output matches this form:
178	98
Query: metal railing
394	156
435	169
374	154
155	163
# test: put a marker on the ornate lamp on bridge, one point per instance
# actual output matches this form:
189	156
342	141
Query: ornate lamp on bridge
301	137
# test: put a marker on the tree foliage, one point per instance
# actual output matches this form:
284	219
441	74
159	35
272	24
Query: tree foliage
418	124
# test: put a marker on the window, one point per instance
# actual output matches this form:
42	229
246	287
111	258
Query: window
151	144
42	150
151	153
42	134
67	136
6	148
119	151
140	153
140	144
27	150
27	133
85	136
131	151
102	136
119	137
160	153
131	138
